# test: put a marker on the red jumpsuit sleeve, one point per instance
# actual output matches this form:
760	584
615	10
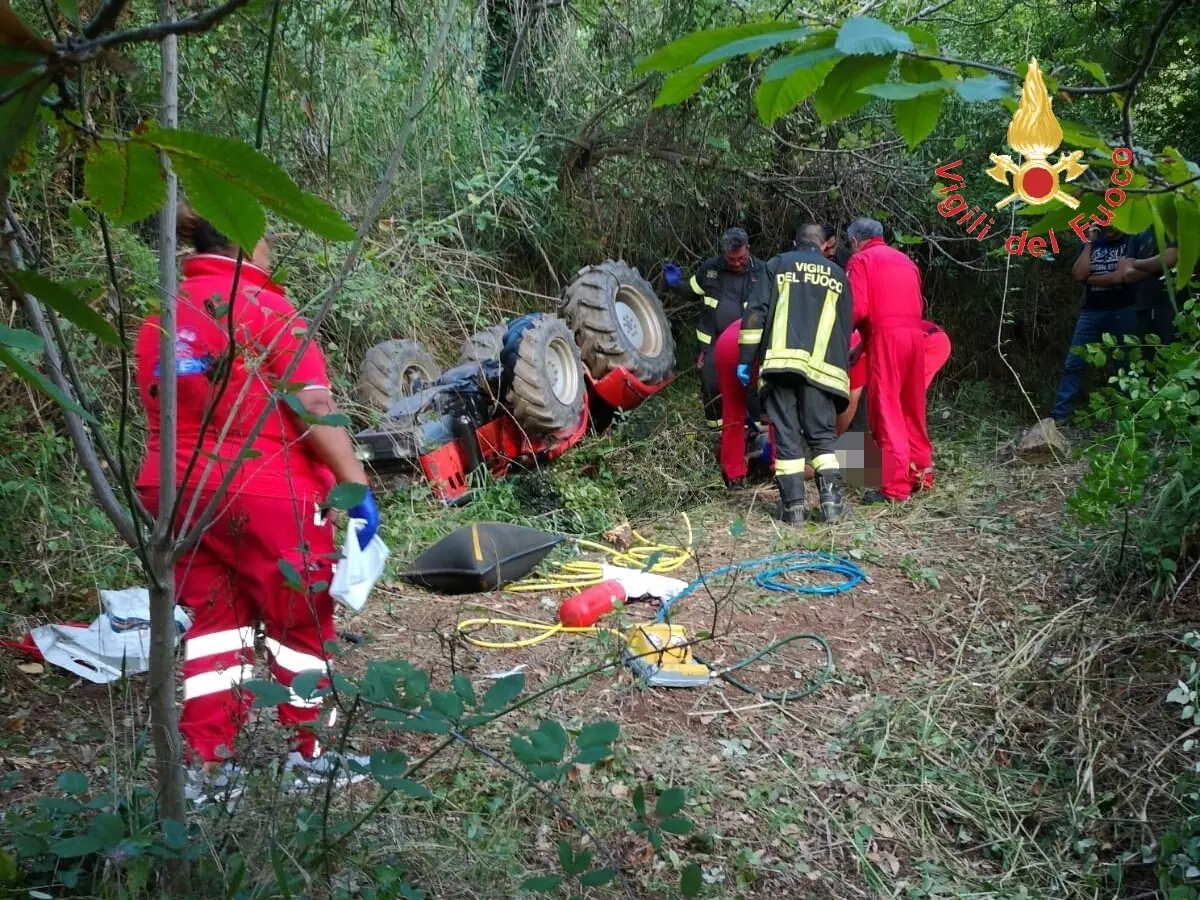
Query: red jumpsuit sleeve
860	291
281	332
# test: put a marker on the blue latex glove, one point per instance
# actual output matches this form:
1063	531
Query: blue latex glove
743	374
369	513
672	275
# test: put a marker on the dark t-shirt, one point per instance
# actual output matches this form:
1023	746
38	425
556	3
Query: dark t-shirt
1105	256
1152	290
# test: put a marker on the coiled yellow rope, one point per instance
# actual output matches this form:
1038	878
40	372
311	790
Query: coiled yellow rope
645	556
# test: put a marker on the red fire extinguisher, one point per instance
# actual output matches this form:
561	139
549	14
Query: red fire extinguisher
588	607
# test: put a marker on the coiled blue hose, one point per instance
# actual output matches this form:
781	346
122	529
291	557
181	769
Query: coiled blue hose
773	572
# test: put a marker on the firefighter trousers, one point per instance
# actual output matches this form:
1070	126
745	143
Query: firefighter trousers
801	415
263	563
896	407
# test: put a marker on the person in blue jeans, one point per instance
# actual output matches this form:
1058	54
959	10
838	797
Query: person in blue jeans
1108	307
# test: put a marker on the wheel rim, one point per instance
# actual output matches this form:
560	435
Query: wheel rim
562	371
638	321
410	375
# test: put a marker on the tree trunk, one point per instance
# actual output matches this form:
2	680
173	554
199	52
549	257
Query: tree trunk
160	553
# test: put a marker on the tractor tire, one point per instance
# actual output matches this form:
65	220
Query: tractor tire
619	322
545	383
390	370
484	345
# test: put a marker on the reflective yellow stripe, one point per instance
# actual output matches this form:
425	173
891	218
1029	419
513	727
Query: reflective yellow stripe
819	373
695	286
780	329
703	338
711	302
789	467
750	336
714	423
825	326
825	461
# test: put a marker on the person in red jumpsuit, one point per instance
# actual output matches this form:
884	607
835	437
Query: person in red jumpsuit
886	288
241	576
937	352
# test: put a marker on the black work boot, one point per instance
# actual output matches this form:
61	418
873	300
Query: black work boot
792	514
829	487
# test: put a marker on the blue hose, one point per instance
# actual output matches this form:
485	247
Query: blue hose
774	572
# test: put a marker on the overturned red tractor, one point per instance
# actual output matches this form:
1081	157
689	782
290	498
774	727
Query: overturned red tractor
524	392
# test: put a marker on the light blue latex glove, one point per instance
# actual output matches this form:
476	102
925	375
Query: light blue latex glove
743	374
672	275
369	513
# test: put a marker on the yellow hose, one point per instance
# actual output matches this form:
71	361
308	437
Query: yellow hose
661	559
544	632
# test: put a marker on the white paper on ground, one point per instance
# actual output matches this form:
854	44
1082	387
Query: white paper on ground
643	584
358	569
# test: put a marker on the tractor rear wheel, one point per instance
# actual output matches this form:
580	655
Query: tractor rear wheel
391	370
619	322
483	345
544	375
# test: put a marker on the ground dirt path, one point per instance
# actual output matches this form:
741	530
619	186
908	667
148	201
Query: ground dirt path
912	773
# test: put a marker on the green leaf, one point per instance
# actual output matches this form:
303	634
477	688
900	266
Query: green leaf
72	783
639	800
542	884
67	304
977	90
1076	135
125	181
566	856
16	117
346	495
1093	69
500	694
1188	237
1135	215
864	35
690	880
230	208
686	50
1061	216
670	802
923	39
598	734
676	825
304	685
108	829
244	166
752	44
462	687
838	97
74	847
267	693
775	98
916	118
20	339
903	90
681	85
77	217
290	574
597	877
37	380
446	703
591	755
70	9
175	834
816	50
406	786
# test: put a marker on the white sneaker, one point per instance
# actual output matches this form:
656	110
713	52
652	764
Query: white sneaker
223	784
343	768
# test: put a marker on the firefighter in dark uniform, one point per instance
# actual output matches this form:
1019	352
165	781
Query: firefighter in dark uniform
797	326
722	285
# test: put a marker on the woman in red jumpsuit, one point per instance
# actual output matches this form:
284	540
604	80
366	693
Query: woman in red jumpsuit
270	530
